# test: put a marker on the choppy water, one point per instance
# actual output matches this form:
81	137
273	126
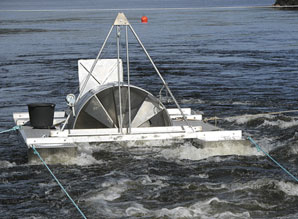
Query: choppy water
222	61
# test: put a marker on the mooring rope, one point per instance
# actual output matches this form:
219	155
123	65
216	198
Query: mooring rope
278	164
12	129
77	207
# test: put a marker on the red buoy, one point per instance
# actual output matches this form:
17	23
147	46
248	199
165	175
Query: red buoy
144	19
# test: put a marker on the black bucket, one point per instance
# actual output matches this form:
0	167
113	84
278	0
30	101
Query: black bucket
41	115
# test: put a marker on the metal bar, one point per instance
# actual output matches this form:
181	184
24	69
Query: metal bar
115	138
104	109
94	63
119	87
128	82
114	131
205	136
160	76
66	121
90	73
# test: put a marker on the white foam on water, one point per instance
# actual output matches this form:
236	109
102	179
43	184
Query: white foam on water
201	209
137	210
229	215
289	216
288	187
294	149
243	119
110	193
6	164
245	103
254	185
34	217
190	152
178	212
218	159
214	186
155	182
44	185
103	202
110	190
201	176
192	101
281	124
84	157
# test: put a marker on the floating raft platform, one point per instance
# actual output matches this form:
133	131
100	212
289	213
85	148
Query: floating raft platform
56	138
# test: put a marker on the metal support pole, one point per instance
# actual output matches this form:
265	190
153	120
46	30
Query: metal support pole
128	82
119	87
160	76
66	121
94	64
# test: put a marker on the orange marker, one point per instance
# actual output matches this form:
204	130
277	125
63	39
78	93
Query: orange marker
144	19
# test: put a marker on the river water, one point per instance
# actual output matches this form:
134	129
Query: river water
219	57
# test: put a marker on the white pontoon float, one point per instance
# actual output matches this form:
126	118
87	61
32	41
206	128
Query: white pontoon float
108	109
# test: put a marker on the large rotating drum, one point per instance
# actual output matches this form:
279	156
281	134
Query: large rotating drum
100	108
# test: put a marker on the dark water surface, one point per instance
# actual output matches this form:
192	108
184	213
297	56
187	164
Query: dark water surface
222	61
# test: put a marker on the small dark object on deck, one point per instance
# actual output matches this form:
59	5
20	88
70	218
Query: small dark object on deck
41	115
